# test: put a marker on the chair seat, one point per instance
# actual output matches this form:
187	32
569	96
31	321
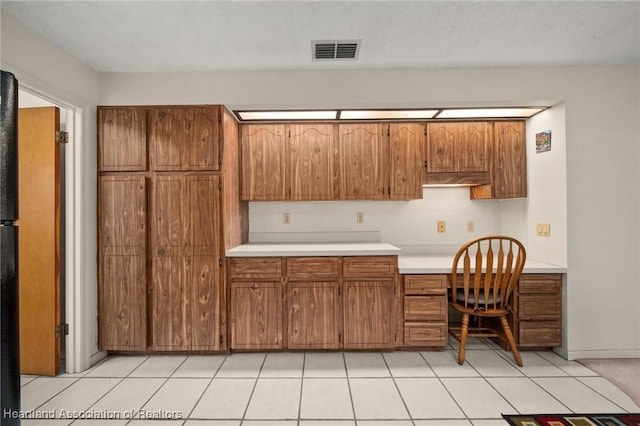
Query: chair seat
471	300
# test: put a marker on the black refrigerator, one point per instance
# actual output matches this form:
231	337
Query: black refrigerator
9	303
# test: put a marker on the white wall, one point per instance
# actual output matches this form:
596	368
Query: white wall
601	107
45	70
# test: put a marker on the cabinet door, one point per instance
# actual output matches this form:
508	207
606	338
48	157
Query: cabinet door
122	139
471	153
263	162
311	162
122	263
369	320
510	162
256	315
406	142
314	315
441	143
185	296
364	161
185	138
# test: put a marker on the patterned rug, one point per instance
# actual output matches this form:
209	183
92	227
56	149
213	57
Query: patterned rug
573	419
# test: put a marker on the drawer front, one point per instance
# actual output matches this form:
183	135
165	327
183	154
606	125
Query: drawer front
313	267
370	266
539	307
425	308
425	334
543	283
425	284
540	334
256	267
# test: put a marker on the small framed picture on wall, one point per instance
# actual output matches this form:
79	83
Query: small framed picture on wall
543	141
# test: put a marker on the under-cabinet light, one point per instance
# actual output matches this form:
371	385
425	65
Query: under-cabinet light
288	115
490	112
386	114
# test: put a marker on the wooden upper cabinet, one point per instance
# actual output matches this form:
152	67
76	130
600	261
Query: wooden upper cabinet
263	162
122	270
185	138
508	175
185	253
364	154
406	143
122	139
457	147
312	162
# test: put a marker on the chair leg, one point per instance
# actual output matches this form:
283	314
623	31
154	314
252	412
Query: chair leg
511	341
463	337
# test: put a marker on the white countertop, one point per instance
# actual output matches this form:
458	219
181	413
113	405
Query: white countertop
441	264
313	249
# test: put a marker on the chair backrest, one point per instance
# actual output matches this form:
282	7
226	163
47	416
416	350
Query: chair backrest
489	268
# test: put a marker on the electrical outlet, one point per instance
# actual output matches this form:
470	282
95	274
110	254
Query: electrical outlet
471	226
543	230
442	226
286	218
359	217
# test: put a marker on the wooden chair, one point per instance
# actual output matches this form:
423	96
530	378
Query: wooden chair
490	268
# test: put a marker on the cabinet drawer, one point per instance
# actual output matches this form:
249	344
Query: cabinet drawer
539	307
370	266
313	267
425	284
544	283
540	333
425	334
425	308
256	267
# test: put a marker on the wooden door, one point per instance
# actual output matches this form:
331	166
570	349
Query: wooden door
441	142
472	147
406	143
263	162
315	314
122	266
364	154
256	315
39	239
369	320
122	139
202	150
510	169
311	162
169	134
185	284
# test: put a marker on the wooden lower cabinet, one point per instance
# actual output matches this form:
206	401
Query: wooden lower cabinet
313	303
425	310
256	315
537	318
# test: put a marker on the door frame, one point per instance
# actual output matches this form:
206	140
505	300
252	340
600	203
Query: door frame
80	261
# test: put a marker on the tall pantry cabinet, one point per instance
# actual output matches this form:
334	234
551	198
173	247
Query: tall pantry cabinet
167	210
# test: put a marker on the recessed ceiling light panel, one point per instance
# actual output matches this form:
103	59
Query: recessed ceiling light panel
387	114
489	112
287	115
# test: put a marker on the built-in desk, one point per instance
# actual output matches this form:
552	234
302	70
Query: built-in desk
536	321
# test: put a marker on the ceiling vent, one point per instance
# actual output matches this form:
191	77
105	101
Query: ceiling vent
334	49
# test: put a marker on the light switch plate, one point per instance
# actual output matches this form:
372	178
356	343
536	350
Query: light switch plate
543	230
359	218
286	218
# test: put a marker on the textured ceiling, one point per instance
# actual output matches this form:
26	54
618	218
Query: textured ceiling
134	36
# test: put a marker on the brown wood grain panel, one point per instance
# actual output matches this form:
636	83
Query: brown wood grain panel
510	169
202	148
263	162
122	139
440	151
369	266
313	267
256	315
539	334
425	308
311	165
369	320
122	270
169	135
314	310
472	150
406	168
425	334
170	304
425	284
541	283
539	306
364	161
255	267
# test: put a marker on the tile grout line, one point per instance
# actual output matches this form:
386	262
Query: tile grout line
215	373
393	378
346	372
255	384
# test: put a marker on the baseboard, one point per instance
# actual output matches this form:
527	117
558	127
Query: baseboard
619	353
97	357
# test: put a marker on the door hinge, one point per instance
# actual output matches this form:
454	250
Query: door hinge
220	261
62	330
219	117
221	339
62	137
220	160
219	185
339	337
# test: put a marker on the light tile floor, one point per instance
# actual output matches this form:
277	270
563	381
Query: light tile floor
322	389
